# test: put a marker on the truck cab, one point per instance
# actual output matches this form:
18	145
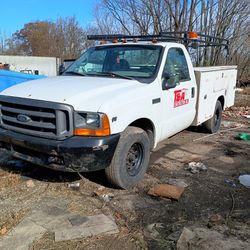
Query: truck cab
109	109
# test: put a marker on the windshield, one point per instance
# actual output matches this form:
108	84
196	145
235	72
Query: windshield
126	61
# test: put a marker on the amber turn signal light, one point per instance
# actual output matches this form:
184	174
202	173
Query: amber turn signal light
192	35
104	130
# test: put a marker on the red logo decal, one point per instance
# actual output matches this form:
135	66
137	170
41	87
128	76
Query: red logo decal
180	97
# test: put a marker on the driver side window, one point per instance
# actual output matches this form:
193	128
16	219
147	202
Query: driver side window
176	65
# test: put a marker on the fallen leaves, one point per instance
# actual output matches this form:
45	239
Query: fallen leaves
235	112
3	231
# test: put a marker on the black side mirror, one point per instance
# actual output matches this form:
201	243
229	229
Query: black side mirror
169	81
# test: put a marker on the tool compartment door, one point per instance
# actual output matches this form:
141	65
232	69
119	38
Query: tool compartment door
212	83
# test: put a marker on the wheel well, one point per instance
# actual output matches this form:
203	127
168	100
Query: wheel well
147	126
222	101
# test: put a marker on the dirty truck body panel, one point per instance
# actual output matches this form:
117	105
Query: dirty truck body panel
75	154
76	122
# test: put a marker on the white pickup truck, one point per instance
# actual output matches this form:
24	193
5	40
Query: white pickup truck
112	106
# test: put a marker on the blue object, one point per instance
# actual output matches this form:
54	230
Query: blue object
10	78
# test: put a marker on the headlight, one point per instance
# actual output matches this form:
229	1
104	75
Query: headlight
87	120
91	124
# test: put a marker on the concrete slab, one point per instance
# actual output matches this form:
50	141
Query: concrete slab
22	236
51	218
46	202
78	220
91	225
52	224
48	216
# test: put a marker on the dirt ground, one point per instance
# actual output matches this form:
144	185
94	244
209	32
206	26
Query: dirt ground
214	199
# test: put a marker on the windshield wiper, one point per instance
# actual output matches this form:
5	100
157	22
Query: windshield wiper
74	73
113	74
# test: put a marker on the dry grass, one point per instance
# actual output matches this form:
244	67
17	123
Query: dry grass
242	99
8	180
246	91
11	220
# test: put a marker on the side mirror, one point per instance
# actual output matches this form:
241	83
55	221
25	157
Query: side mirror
169	81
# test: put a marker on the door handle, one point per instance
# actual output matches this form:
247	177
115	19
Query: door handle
193	92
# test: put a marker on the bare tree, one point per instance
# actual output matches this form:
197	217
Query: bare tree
149	16
222	18
132	16
69	38
3	43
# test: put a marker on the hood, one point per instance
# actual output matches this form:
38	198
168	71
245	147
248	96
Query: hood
83	93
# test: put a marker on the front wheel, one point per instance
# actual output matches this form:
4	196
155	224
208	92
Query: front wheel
131	158
213	124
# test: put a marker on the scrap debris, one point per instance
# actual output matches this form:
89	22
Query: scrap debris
203	239
245	180
167	191
243	136
103	194
196	167
230	183
177	182
152	230
230	124
74	186
234	112
246	116
30	184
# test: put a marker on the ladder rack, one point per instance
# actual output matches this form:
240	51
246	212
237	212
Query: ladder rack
188	38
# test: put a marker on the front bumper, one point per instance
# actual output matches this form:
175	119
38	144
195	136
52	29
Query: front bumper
75	154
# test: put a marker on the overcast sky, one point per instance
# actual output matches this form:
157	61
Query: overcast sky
15	13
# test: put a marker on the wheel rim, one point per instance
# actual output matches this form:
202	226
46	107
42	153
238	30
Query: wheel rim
217	117
134	159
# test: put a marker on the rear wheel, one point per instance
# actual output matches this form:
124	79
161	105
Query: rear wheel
131	158
213	124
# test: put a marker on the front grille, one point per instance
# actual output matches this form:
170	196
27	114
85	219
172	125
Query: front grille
35	117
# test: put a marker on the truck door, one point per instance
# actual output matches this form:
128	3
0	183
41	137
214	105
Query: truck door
178	92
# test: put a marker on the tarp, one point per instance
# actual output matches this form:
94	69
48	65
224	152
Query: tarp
10	78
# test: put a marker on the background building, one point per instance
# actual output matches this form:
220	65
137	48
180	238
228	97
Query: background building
36	65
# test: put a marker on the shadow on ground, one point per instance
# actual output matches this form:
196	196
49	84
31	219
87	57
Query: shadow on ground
30	171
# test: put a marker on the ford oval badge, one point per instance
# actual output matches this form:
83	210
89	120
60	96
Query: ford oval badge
23	118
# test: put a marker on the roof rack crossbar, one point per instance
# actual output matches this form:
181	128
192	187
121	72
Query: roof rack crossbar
182	36
199	34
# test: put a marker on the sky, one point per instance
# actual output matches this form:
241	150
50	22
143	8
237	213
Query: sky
15	13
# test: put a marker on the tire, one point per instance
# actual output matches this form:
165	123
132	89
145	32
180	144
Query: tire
213	124
130	160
